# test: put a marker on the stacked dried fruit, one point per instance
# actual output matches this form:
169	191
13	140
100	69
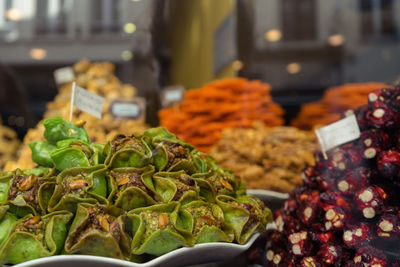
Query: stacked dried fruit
98	78
9	144
135	198
226	103
348	210
267	158
335	101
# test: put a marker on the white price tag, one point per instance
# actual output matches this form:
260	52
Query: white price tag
133	109
338	133
86	101
171	95
64	75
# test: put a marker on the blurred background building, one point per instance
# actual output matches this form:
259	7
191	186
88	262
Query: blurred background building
299	47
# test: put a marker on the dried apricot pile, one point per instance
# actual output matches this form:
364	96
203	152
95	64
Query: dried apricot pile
335	101
221	104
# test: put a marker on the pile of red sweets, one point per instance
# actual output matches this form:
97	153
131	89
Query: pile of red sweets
347	213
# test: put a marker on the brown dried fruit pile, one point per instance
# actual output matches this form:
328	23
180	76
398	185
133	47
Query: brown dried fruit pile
98	78
267	158
335	101
228	103
347	213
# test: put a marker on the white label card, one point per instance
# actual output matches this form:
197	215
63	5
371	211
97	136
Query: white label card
133	109
338	133
87	101
64	75
171	95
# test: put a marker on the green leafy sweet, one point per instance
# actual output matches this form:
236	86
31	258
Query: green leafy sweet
26	193
208	223
98	230
40	171
132	188
41	152
245	215
172	155
127	151
34	237
175	186
58	129
80	185
135	198
6	222
72	153
155	231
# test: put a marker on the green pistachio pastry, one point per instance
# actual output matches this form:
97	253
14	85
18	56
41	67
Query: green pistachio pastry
98	230
26	193
34	237
80	185
127	151
132	188
155	229
135	198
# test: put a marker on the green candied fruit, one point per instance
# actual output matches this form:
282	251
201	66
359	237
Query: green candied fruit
41	152
58	129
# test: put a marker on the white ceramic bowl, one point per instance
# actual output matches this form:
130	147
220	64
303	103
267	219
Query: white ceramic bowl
201	253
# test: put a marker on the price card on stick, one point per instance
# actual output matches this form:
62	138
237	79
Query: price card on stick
338	133
171	95
132	109
64	75
86	101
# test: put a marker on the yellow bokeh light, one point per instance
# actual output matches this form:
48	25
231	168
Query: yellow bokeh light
237	65
126	55
336	40
293	68
129	28
273	35
13	14
38	53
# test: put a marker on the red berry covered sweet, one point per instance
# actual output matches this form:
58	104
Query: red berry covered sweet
347	212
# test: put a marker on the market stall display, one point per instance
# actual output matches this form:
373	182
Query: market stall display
267	158
334	102
347	211
9	144
221	104
134	198
98	78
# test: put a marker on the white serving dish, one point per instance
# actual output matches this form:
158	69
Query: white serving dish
201	253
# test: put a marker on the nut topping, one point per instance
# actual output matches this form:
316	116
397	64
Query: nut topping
31	221
80	123
162	221
123	181
77	184
226	184
27	183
